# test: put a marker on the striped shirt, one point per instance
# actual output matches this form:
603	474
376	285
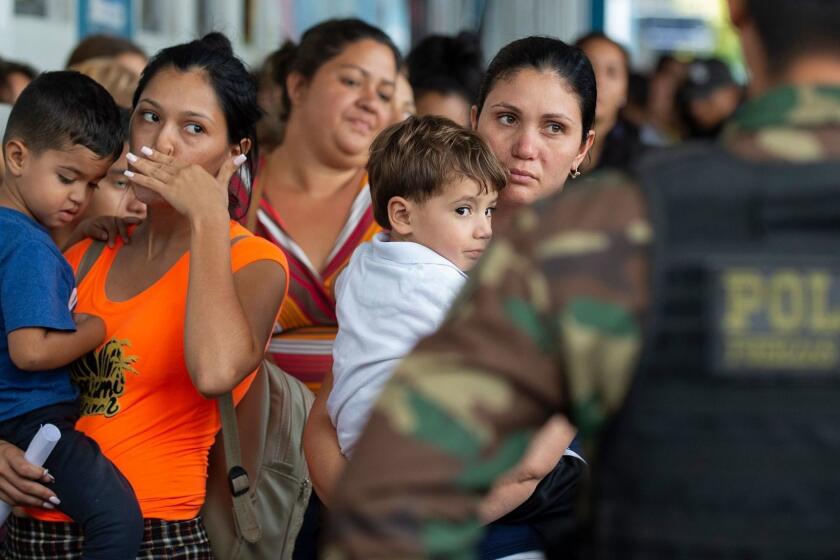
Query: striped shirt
303	337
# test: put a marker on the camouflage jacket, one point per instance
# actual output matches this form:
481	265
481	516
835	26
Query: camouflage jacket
549	321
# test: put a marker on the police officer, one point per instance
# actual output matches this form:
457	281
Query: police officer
719	437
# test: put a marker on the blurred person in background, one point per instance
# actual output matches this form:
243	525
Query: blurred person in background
14	77
122	50
270	85
404	106
635	110
700	453
664	125
617	144
446	73
5	110
708	97
311	197
113	76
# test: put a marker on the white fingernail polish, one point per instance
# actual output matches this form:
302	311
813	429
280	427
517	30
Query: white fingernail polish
128	173
55	501
147	150
47	505
240	159
131	157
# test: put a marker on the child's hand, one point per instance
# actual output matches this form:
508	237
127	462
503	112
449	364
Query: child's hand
107	228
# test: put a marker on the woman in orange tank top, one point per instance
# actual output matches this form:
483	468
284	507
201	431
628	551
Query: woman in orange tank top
189	305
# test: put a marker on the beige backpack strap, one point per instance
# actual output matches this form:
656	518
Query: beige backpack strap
243	508
238	481
92	253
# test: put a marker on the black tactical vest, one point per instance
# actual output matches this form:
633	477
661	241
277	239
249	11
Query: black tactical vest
728	445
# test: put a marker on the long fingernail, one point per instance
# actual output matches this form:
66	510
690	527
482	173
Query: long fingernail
47	505
128	173
240	159
147	150
55	500
131	157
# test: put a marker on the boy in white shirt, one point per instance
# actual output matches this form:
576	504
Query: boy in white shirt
434	186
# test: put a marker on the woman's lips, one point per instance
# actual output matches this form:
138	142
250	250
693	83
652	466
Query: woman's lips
361	125
522	177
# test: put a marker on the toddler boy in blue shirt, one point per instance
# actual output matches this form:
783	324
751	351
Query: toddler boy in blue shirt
63	134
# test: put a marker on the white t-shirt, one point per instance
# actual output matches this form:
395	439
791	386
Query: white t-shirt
392	294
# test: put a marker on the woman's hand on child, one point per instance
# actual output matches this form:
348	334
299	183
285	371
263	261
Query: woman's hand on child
190	189
19	480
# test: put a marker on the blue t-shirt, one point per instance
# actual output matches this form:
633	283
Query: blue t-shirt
36	289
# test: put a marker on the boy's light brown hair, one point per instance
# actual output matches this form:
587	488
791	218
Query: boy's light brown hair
414	159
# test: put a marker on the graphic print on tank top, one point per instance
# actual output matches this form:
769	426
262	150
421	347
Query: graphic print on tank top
101	377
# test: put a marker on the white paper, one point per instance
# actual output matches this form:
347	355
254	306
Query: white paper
39	449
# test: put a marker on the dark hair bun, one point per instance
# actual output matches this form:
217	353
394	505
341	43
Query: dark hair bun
447	64
281	61
470	44
217	42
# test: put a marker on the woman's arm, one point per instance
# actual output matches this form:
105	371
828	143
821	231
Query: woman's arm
320	445
228	319
544	452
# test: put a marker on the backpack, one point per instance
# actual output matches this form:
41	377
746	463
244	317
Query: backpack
258	484
254	507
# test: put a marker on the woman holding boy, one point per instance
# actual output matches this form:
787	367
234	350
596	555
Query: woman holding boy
188	308
536	111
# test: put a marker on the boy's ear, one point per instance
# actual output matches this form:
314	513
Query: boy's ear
399	214
17	156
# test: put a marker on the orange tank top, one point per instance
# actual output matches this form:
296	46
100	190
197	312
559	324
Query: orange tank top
138	401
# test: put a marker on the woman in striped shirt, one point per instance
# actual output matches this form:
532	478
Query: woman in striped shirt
314	201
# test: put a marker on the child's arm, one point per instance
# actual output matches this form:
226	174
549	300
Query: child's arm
543	453
103	228
38	349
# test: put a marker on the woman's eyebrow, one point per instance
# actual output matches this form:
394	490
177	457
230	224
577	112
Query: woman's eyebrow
199	115
365	73
508	106
158	106
151	102
557	117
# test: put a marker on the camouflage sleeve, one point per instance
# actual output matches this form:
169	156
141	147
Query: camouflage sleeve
549	321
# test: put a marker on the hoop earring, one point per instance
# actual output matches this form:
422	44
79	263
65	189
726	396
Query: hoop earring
574	174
